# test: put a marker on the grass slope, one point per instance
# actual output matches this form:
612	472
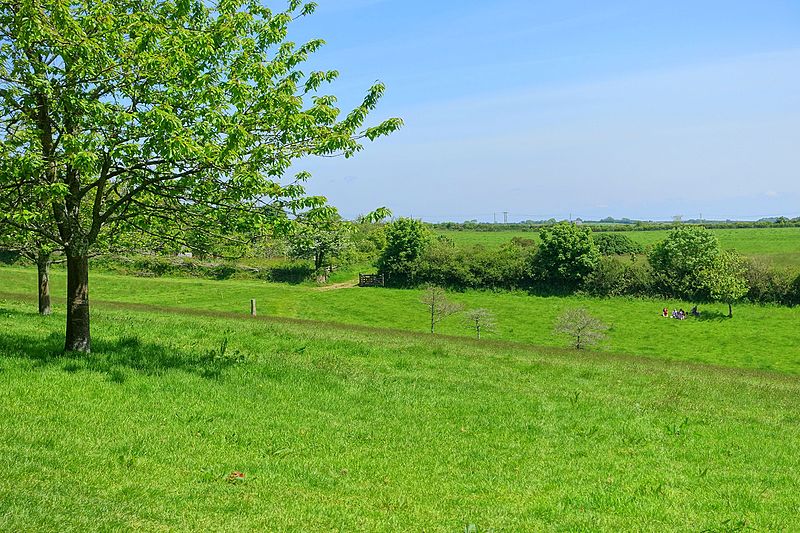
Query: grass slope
763	337
343	429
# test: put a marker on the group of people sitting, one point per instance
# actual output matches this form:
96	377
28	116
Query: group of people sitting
680	314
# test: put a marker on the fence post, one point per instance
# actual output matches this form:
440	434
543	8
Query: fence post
253	307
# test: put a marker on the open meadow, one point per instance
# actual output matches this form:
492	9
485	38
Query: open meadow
777	246
764	337
342	427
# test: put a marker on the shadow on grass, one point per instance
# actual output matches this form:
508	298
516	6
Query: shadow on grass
115	357
712	316
16	313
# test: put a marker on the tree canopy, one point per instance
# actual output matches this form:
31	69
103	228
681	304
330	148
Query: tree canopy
406	240
163	116
566	255
682	257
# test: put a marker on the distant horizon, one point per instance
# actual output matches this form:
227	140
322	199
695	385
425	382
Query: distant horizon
616	220
546	108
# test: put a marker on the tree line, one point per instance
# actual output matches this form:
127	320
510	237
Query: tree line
687	264
615	225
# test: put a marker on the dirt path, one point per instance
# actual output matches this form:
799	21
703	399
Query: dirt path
336	286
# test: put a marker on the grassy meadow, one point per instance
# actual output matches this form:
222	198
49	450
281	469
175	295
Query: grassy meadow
777	246
343	428
762	337
335	410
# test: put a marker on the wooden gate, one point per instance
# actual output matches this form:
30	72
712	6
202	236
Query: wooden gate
370	280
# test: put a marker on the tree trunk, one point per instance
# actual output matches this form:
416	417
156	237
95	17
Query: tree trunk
730	311
43	267
78	338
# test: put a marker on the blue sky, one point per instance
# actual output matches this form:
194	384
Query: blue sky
550	108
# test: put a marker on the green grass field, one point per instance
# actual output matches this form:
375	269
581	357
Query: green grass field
342	429
764	337
337	426
778	246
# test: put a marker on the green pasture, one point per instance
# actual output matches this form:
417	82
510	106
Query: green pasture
347	429
778	246
762	337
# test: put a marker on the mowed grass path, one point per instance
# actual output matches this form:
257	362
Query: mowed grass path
762	337
348	430
778	246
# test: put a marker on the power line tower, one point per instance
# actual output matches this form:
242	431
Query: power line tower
505	217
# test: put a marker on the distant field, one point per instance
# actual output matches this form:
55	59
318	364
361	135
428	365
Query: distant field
757	336
779	246
341	428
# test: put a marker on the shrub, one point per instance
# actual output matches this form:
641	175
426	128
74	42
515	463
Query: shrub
441	265
794	294
616	244
369	241
478	267
499	268
522	242
9	257
768	284
155	266
615	277
288	272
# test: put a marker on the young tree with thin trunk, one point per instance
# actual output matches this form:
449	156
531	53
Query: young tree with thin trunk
34	248
160	116
581	327
726	279
439	307
42	257
480	321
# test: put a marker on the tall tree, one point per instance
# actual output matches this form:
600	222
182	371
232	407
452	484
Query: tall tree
680	259
163	116
567	254
406	240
